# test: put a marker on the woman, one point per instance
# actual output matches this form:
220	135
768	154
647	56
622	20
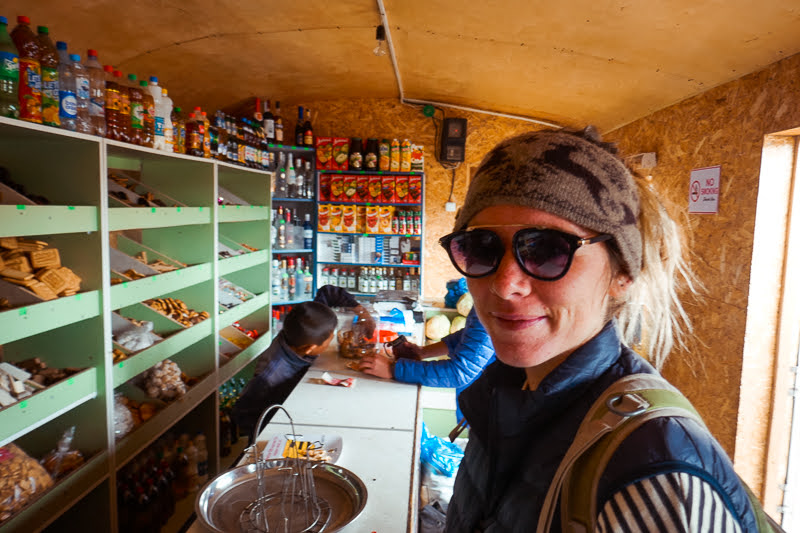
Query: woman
556	238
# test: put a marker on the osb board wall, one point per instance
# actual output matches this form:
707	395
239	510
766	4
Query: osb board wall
723	126
389	118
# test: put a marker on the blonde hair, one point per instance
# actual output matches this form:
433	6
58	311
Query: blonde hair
652	313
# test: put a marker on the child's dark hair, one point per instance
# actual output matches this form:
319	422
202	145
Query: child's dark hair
309	323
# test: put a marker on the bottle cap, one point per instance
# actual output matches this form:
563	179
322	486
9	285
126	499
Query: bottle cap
153	79
132	77
3	20
92	53
117	74
177	109
42	29
22	19
61	45
75	58
143	83
163	92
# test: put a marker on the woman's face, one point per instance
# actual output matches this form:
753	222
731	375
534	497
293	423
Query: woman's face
533	321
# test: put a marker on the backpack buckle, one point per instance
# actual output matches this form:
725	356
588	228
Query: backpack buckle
627	404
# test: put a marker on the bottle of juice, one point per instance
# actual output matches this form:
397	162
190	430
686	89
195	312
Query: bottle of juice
394	156
9	73
149	115
48	58
30	71
206	131
124	108
194	137
405	156
166	113
112	103
179	128
136	110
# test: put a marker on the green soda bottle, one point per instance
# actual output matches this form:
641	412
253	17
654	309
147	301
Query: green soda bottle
9	73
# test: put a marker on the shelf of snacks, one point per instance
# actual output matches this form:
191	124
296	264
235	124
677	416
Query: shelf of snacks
241	262
242	310
128	292
37	408
252	336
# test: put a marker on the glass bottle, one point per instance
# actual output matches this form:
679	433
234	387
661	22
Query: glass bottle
299	133
308	130
278	124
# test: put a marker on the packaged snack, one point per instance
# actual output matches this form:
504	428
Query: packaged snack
417	158
341	153
361	219
401	189
349	219
405	156
362	188
372	219
415	189
22	478
337	188
385	219
62	460
387	189
324	217
374	189
324	152
349	187
324	187
336	218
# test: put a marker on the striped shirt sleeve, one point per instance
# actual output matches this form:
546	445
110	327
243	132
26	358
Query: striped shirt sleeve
674	502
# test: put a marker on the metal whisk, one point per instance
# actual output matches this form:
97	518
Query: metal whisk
296	508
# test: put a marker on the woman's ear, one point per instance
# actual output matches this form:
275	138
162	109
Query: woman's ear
619	286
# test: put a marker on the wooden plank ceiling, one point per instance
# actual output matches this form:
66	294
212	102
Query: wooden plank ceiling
571	62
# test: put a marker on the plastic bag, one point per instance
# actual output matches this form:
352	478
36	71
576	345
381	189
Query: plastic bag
123	419
21	478
439	453
138	338
455	288
63	460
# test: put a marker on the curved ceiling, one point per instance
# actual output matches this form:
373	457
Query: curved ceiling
571	63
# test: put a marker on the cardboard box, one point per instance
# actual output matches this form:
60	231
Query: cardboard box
361	219
349	188
324	217
349	219
324	187
340	153
372	213
415	189
374	189
362	188
385	215
401	189
336	218
337	188
324	153
387	189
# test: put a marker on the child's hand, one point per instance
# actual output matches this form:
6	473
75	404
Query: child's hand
407	350
377	365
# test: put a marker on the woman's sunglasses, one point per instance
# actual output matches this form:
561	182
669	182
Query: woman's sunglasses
544	254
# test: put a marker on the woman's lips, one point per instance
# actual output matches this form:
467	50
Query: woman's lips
516	322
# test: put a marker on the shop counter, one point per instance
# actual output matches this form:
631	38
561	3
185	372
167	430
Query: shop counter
379	423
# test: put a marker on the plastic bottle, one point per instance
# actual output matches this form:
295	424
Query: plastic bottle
202	459
191	473
194	137
137	110
158	117
394	156
124	113
166	113
112	103
29	88
97	94
49	61
9	73
179	131
149	116
82	94
67	97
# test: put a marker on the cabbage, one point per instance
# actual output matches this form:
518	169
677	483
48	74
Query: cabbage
464	305
458	323
437	327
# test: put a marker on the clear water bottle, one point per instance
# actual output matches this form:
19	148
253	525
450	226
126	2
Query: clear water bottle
9	73
67	97
82	94
159	142
169	128
97	94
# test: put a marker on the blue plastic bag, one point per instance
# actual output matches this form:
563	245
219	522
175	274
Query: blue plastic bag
455	289
441	454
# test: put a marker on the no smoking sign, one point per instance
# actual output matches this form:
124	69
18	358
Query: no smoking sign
704	190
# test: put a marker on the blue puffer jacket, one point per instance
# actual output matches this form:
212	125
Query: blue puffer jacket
470	351
518	438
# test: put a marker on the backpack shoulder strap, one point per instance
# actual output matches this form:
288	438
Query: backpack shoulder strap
615	407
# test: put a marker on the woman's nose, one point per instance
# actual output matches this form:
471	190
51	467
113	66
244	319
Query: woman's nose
509	280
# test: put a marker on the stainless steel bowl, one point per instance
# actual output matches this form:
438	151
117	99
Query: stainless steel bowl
220	504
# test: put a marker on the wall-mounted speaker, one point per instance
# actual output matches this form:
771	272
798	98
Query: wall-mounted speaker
454	139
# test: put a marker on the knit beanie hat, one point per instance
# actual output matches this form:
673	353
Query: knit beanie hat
570	174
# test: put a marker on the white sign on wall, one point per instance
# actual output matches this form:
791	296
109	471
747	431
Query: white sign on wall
704	190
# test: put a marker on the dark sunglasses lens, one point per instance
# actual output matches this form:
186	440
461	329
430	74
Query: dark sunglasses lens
476	253
544	254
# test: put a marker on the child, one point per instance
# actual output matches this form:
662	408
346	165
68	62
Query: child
307	331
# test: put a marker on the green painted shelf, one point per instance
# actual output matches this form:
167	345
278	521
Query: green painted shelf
243	213
38	409
122	218
240	262
138	363
23	322
131	292
27	220
241	359
242	310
